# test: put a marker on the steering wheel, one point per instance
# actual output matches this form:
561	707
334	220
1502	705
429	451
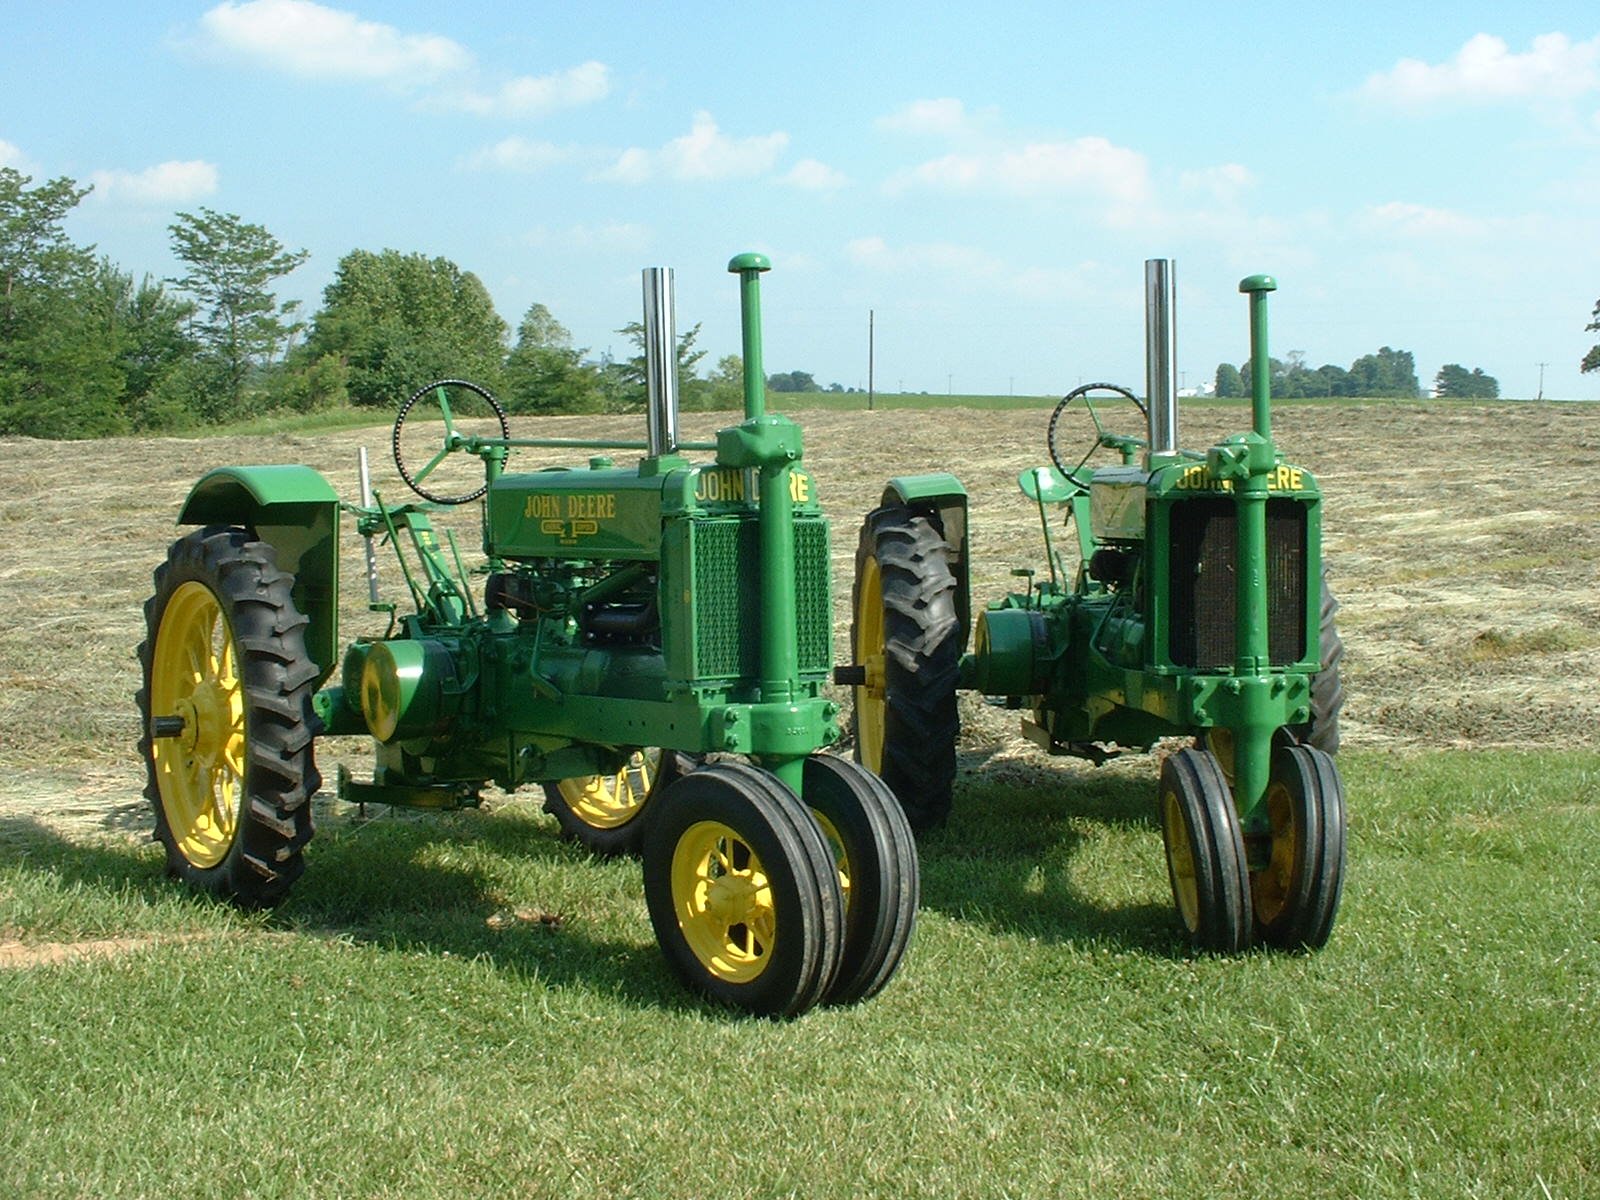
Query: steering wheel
1061	420
449	401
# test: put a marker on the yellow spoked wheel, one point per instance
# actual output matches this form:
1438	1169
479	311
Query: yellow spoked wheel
228	723
1296	893
605	812
905	638
200	770
724	902
742	890
1205	852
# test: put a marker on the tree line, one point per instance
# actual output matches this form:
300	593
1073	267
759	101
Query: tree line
1387	374
85	351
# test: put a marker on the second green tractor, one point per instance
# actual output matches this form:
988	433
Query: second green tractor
1197	609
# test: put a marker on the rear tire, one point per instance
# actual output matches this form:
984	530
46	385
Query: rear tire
1327	690
227	678
742	891
907	635
879	875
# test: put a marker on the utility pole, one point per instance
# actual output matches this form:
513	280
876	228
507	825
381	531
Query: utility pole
871	347
1542	366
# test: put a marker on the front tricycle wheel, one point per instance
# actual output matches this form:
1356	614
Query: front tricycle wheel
742	890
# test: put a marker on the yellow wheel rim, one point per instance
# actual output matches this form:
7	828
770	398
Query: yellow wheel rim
609	801
194	675
1269	887
723	902
1180	859
869	655
841	860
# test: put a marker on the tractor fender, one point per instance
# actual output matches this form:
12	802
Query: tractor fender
296	510
941	497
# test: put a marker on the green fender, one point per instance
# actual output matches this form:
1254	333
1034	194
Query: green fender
297	511
940	496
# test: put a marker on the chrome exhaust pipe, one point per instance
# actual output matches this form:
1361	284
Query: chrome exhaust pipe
661	360
1161	354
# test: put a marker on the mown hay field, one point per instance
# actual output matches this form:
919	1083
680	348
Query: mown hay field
1460	540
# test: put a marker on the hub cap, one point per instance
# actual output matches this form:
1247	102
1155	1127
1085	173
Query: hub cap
723	901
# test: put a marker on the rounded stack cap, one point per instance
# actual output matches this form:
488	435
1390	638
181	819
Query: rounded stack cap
1258	283
749	261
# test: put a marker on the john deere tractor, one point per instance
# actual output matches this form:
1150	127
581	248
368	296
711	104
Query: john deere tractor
1196	609
649	642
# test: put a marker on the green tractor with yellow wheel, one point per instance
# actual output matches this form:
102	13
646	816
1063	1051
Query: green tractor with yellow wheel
650	644
1197	609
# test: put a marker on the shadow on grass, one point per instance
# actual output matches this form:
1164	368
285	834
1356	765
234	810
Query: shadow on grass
412	886
1007	856
120	867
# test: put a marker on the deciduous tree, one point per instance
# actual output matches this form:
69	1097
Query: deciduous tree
631	373
239	323
1591	360
544	373
1228	385
59	375
1457	383
400	321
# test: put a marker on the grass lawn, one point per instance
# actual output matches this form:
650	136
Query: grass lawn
463	1005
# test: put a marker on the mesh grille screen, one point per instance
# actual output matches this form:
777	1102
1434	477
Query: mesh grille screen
1203	552
727	570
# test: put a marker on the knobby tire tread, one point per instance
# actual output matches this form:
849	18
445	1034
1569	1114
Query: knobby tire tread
278	676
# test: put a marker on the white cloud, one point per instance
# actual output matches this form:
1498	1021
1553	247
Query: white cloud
538	95
13	157
516	154
1417	220
944	117
1086	164
812	176
164	183
1555	67
304	38
704	153
1223	183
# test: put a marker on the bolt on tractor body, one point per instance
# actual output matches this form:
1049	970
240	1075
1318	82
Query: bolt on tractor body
649	643
1197	609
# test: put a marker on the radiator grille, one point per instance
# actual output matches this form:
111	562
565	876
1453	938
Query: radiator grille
1203	552
727	570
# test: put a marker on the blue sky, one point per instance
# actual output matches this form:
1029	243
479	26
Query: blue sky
988	181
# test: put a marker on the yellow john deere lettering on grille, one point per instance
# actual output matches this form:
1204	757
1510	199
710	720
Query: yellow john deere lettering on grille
730	486
1199	478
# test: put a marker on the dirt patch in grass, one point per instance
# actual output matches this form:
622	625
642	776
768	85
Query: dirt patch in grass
19	956
1467	576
